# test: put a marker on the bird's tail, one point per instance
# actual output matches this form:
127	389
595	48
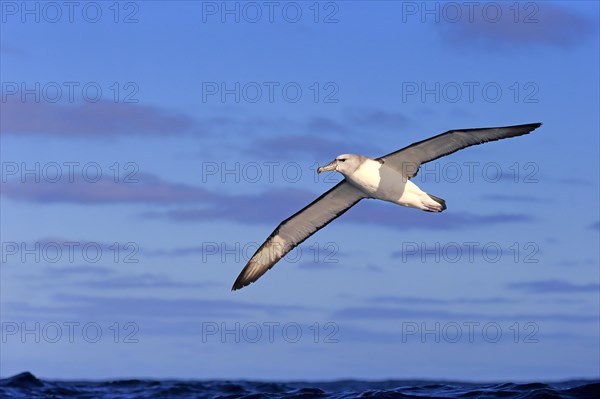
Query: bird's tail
437	205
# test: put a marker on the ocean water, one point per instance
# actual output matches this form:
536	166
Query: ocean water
26	385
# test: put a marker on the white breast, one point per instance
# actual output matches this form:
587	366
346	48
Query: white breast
378	181
366	176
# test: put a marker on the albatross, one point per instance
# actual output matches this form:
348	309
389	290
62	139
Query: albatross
386	178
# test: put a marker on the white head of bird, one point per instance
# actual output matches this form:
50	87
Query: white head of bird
346	164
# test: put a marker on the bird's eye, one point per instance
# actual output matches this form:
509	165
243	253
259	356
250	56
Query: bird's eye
342	160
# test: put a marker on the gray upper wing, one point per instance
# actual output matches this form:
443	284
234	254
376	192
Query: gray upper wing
297	228
408	159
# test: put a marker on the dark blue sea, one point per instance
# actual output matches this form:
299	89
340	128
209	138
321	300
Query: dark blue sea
26	385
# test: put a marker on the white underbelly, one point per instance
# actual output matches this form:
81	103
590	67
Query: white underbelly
381	182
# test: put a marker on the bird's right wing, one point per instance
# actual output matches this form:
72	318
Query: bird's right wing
297	228
408	160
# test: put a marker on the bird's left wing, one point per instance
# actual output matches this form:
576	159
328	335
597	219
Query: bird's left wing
297	228
408	160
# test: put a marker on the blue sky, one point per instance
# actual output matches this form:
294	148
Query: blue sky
148	149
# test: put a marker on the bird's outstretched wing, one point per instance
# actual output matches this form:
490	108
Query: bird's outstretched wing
408	160
297	228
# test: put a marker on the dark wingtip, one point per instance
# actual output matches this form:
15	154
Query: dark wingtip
531	126
518	130
241	281
237	285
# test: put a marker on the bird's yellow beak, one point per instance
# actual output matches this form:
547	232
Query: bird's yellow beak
330	166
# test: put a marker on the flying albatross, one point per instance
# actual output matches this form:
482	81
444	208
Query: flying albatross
386	178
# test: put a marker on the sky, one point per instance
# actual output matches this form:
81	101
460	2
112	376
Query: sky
148	149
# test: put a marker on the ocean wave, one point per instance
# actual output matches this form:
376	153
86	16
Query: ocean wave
26	385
